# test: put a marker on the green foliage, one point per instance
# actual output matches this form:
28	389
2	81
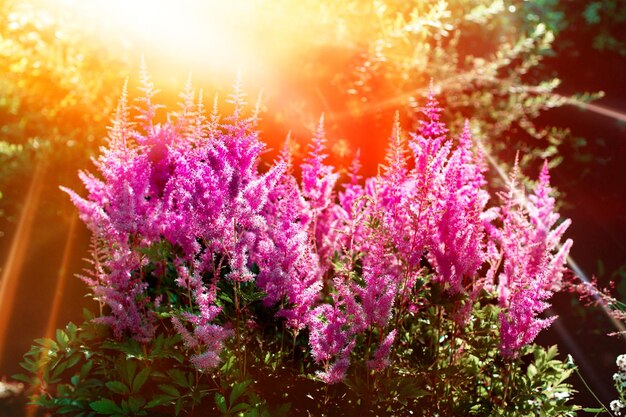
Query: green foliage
439	365
601	22
84	371
449	369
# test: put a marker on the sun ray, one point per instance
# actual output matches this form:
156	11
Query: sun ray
62	277
17	253
603	110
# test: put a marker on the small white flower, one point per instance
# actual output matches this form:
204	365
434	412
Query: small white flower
621	362
561	395
616	406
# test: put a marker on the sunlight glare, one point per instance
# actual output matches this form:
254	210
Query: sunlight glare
210	32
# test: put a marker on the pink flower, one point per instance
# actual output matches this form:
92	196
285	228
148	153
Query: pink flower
381	356
533	263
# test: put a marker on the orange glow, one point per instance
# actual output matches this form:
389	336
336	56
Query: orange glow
17	255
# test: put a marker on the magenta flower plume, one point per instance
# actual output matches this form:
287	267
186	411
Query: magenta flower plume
533	264
328	333
318	182
381	356
289	266
548	231
429	144
195	184
318	179
457	244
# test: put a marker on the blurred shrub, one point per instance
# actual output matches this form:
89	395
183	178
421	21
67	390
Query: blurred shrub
58	84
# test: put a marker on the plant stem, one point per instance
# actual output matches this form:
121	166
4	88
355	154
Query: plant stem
367	357
282	341
438	333
237	329
591	391
507	378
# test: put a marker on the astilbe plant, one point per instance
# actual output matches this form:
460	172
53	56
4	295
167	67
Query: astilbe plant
402	270
203	196
532	263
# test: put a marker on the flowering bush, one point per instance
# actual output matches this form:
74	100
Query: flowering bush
412	288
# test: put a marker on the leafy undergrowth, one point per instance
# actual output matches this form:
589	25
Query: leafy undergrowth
86	372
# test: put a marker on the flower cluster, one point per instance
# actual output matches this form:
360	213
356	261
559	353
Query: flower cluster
619	379
533	262
195	185
340	264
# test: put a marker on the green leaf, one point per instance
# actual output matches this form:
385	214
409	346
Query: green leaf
239	407
178	376
168	389
135	403
252	413
179	406
141	379
22	377
48	344
87	315
593	410
105	407
220	402
591	14
66	409
73	360
228	364
58	370
118	387
224	297
157	346
30	365
160	400
71	329
62	339
127	369
238	389
84	370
